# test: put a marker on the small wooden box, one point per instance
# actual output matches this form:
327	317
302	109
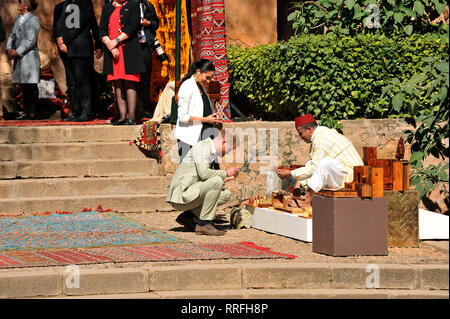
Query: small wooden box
350	226
403	218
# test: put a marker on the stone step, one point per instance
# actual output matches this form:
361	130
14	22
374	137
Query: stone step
67	134
55	187
119	203
237	280
272	294
69	151
79	168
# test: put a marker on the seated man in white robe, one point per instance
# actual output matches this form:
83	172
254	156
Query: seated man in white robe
332	155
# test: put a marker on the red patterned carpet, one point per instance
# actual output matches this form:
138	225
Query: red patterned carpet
51	123
99	236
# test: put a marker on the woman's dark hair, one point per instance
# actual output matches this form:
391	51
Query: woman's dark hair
204	65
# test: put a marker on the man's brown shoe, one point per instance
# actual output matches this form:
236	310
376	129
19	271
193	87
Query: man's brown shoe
188	220
208	230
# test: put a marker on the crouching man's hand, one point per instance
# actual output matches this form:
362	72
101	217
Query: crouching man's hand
232	171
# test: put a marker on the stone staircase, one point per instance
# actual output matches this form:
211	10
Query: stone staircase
50	168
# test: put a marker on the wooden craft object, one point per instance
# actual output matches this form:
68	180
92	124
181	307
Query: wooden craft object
400	154
281	201
397	176
405	175
350	186
376	181
364	190
361	174
338	193
369	155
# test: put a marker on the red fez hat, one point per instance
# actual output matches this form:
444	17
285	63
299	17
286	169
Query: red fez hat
304	119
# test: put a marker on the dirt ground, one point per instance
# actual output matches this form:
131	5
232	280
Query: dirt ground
424	254
165	221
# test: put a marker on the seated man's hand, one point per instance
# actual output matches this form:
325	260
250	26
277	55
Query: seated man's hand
233	171
284	173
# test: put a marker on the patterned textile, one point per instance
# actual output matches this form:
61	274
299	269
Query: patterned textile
51	123
149	137
142	253
328	142
209	42
76	230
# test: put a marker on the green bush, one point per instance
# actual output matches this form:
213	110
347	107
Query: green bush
333	77
352	16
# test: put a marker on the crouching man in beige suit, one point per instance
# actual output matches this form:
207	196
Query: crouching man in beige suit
197	189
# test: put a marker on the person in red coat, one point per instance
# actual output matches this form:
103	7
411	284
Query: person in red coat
123	62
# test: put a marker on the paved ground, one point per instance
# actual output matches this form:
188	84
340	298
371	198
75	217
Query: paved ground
434	253
417	273
429	252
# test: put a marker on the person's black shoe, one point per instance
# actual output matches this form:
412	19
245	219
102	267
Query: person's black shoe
118	122
188	220
82	119
129	122
71	118
25	117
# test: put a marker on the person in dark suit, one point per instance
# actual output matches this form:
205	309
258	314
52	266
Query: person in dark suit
74	38
150	23
2	31
70	81
123	60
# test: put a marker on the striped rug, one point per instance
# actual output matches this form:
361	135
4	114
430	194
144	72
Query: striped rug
89	237
140	253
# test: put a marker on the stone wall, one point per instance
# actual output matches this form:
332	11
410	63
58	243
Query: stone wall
290	150
251	22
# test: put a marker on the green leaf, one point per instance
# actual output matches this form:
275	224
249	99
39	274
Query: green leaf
408	29
397	102
386	89
350	3
292	16
442	66
419	7
417	78
398	16
440	7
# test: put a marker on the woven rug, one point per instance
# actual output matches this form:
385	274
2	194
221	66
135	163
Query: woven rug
209	42
51	122
103	237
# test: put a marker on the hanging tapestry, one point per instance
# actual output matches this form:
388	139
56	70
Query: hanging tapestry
209	42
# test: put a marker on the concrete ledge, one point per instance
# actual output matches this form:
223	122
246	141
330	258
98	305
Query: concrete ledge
234	281
277	294
18	284
390	276
66	134
195	277
79	186
107	281
286	276
120	203
433	277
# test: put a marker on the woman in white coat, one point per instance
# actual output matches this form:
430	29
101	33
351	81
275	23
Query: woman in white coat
22	48
196	116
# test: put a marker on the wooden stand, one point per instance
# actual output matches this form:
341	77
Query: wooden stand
350	226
